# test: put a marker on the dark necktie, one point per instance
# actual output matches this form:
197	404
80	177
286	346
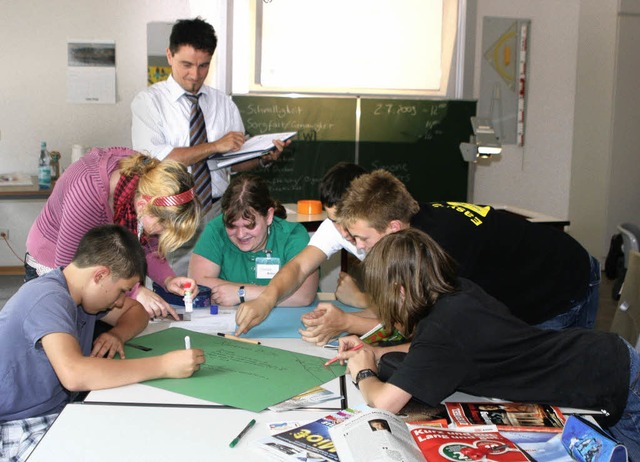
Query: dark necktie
200	170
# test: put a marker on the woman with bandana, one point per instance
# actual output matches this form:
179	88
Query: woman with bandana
153	199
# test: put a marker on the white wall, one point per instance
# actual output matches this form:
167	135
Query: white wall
34	34
537	175
591	161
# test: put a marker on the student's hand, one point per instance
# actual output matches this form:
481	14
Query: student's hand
364	358
107	345
250	314
232	141
225	294
361	359
179	364
348	291
322	324
176	285
154	304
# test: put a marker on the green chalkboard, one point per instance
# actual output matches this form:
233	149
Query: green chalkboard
326	135
417	140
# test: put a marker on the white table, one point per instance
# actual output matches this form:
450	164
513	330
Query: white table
139	422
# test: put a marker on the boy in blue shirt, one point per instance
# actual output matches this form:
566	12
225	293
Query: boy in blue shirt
46	330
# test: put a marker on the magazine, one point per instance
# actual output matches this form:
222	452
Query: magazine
507	416
309	398
376	336
308	442
378	435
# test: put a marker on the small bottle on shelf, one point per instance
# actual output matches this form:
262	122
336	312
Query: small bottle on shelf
44	167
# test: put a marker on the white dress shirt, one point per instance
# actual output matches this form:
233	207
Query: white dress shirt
160	122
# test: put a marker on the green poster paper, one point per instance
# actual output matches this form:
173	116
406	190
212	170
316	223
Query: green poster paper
238	374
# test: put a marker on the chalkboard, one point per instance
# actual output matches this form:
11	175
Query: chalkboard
326	135
417	140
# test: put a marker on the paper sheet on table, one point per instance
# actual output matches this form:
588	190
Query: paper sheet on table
238	374
284	322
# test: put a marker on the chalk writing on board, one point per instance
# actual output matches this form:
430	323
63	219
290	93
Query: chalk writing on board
400	170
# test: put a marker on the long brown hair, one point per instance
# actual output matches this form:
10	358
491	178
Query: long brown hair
246	196
159	179
404	274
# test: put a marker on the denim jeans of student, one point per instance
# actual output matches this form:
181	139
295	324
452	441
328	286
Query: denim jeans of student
627	429
583	312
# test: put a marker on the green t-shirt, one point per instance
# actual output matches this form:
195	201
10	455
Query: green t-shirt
285	241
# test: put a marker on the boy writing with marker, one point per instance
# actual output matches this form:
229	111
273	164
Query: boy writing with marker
46	330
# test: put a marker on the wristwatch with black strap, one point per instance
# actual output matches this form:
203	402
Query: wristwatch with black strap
363	374
241	294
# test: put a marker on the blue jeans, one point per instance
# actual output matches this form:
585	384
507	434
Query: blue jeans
582	312
627	429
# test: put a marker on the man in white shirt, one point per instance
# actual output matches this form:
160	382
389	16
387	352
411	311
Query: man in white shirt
161	123
322	323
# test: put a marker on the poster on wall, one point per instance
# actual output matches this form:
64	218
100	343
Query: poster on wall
91	72
503	76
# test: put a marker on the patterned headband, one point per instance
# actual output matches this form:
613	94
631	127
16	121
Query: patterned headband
168	201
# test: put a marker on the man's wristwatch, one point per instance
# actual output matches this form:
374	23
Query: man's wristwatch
241	294
363	374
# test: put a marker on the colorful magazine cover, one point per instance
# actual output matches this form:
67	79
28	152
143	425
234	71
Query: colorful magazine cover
379	334
380	435
507	416
307	442
439	444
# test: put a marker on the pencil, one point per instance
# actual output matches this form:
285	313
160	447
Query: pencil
240	339
242	433
355	348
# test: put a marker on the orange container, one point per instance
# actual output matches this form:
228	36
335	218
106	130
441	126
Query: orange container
309	207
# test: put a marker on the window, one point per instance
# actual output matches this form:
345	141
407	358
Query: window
344	46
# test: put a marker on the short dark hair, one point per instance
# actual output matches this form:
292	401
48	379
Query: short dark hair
115	247
193	32
335	182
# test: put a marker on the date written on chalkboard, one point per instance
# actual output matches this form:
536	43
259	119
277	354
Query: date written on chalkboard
382	109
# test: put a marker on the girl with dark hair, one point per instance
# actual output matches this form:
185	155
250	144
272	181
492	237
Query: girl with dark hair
241	250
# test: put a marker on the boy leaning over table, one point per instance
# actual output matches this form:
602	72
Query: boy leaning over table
46	330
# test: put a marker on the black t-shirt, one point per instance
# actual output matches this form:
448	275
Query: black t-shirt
536	270
470	342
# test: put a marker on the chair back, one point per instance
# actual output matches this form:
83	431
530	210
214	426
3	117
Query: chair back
626	320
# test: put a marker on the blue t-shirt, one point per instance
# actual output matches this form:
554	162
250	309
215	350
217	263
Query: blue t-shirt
30	386
285	241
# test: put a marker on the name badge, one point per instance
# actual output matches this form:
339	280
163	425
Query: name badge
267	267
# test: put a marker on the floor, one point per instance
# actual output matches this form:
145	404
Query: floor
9	284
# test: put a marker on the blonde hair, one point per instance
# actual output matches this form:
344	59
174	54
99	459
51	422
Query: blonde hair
377	198
404	274
166	178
